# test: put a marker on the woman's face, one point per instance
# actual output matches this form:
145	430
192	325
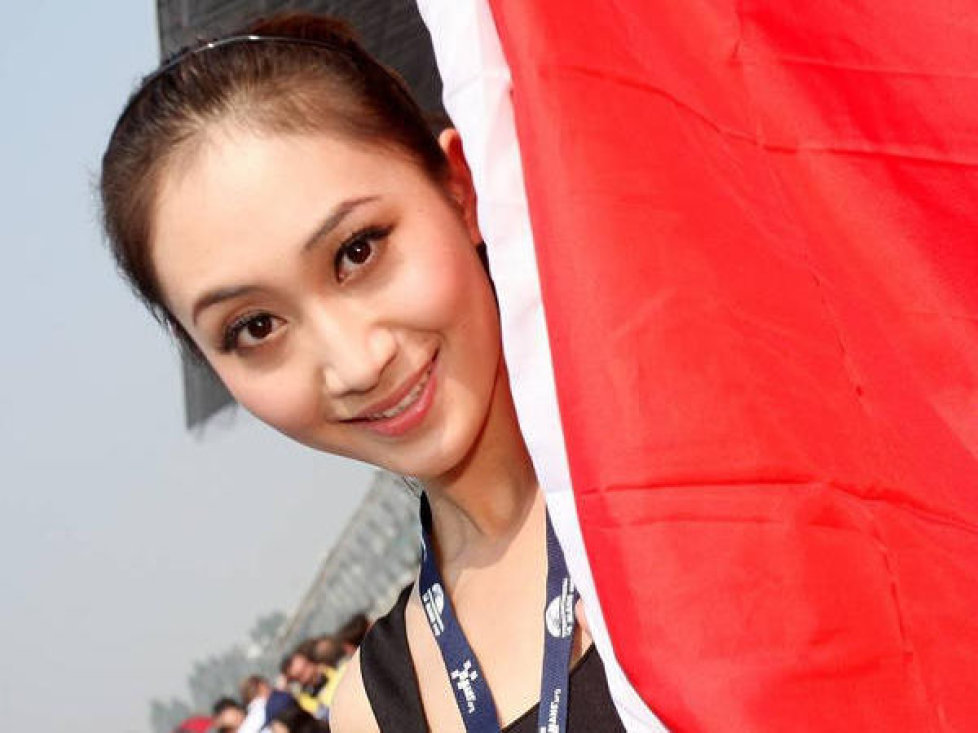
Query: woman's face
337	292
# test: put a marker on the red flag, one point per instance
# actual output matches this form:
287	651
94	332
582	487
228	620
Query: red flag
754	227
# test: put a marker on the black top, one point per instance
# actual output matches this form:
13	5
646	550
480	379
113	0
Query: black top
392	685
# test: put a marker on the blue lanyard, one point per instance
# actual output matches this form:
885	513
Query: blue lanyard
472	694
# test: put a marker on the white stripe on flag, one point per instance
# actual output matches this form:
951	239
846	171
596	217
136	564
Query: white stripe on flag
476	95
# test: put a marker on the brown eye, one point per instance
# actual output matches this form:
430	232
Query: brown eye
251	331
358	251
259	327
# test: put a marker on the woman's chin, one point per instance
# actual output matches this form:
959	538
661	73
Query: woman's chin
432	464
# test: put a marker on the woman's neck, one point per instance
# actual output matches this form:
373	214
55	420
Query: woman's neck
481	504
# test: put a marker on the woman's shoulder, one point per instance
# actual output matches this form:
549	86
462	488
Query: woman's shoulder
351	711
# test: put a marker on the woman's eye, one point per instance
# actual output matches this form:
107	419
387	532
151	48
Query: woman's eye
250	331
357	251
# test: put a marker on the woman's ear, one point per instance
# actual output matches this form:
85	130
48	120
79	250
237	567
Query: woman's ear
460	181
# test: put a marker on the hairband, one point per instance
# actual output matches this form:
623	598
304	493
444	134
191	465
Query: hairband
180	56
183	54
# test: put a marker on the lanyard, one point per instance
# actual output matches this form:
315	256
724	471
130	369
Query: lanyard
472	694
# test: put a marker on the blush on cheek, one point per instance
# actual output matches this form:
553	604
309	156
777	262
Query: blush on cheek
437	293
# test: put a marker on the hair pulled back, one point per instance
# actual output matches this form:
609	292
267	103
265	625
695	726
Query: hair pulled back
322	81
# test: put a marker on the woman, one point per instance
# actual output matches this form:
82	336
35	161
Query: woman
277	199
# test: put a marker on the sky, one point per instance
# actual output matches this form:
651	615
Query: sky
128	547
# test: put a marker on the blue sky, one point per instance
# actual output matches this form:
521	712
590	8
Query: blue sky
128	547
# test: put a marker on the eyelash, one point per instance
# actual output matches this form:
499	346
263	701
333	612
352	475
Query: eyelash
368	235
229	339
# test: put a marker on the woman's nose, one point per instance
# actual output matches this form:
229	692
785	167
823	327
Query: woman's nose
354	353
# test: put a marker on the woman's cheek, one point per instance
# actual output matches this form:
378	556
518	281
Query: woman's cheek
437	294
286	402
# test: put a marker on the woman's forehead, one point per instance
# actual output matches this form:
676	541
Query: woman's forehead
252	180
244	196
230	154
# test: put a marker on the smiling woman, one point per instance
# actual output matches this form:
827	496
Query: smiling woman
277	199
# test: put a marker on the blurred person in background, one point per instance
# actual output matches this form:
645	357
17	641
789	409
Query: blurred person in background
334	651
308	680
227	715
328	650
196	724
331	654
255	691
283	714
352	632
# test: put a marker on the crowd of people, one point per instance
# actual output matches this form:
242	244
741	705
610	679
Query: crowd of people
298	700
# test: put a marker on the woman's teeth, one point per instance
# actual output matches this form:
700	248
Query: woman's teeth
409	399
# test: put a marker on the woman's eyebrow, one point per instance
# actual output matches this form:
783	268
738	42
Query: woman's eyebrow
339	212
213	297
333	220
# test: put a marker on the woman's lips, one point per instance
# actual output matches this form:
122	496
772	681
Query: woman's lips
408	411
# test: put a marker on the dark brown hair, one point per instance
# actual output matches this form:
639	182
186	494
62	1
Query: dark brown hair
353	631
328	650
308	75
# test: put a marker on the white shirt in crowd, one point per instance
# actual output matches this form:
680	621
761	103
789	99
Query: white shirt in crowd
255	719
